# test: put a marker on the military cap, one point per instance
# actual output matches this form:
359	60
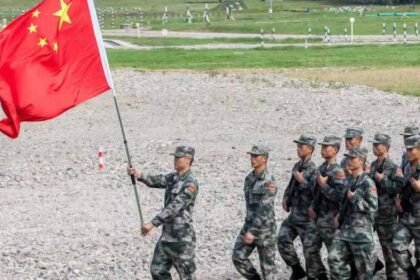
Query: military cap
306	140
410	131
331	140
184	151
381	138
258	150
357	152
412	142
353	132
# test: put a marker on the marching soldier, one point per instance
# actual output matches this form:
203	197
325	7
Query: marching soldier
259	230
388	178
408	131
408	228
297	199
353	139
354	240
176	246
325	206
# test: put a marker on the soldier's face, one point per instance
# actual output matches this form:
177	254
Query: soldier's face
379	149
303	150
258	161
355	163
182	163
413	154
328	151
353	142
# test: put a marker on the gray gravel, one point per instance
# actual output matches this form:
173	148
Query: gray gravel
62	218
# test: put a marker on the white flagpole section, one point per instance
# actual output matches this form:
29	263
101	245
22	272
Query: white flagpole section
108	75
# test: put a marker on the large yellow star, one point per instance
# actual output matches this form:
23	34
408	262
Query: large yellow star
36	13
32	28
63	13
42	42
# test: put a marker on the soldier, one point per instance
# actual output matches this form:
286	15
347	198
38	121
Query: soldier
388	178
176	246
408	227
259	230
325	206
354	138
297	199
354	240
408	131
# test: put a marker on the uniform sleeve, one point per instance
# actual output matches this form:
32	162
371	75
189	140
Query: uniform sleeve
309	179
366	200
183	199
289	189
154	181
392	181
265	206
335	193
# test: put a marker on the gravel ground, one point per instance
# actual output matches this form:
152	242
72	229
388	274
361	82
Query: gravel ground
63	218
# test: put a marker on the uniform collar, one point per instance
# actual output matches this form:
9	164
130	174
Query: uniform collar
183	176
261	175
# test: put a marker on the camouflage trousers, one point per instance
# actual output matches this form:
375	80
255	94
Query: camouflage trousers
177	254
267	255
289	231
314	237
385	235
403	236
343	253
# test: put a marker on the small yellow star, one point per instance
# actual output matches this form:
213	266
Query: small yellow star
42	42
36	13
55	47
63	13
32	28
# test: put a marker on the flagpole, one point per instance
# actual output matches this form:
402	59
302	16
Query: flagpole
108	75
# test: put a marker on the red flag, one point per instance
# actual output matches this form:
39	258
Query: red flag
51	59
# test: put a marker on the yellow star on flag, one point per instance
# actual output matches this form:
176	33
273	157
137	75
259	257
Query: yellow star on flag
63	13
36	13
32	28
42	42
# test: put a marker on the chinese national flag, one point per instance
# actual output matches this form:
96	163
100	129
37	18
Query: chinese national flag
51	59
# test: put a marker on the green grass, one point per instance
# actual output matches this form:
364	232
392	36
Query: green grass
159	41
289	57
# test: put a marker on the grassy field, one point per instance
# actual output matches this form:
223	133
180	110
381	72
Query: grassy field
159	41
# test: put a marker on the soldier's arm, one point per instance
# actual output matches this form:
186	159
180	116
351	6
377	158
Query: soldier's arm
309	179
154	181
366	200
289	189
392	181
335	194
183	199
267	202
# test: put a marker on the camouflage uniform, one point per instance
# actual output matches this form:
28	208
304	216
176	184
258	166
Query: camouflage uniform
298	197
408	131
176	245
260	191
350	133
354	240
408	227
386	217
326	205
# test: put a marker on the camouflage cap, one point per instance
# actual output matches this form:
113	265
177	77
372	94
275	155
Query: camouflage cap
184	151
306	140
381	138
331	140
353	132
412	142
357	152
258	150
410	131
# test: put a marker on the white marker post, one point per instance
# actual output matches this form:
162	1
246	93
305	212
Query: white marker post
138	29
352	20
270	11
164	35
405	33
383	28
416	29
394	30
262	37
310	32
345	34
273	33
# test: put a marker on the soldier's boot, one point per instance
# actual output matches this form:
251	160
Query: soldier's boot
378	266
298	272
412	274
353	271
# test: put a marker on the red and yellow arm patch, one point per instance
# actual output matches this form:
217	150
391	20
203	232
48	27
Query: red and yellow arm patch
399	171
271	186
340	175
373	189
192	188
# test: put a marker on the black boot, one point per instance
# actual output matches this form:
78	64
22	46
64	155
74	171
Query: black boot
323	276
378	266
412	274
298	272
353	272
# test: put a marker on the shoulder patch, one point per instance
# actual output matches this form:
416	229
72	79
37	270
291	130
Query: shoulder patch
373	189
340	175
271	186
398	171
192	187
